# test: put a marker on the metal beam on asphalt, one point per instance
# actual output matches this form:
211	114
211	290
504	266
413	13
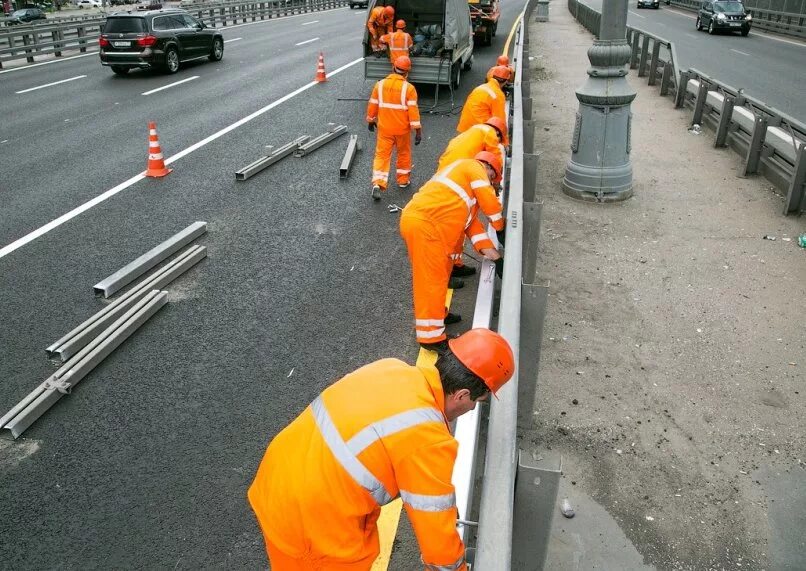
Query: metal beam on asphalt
347	162
27	411
323	139
73	341
263	162
141	265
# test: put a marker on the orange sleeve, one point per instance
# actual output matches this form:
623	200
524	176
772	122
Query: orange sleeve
486	198
372	106
414	111
477	235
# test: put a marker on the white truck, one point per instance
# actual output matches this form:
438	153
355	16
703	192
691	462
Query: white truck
443	41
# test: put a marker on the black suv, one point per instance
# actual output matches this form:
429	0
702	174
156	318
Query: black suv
729	16
25	15
158	38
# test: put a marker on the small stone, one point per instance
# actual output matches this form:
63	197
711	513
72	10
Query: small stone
650	518
575	401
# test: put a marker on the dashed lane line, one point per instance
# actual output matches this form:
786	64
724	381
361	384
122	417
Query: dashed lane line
170	85
309	23
50	84
232	40
31	236
306	42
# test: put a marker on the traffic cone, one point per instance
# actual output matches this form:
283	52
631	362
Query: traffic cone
320	69
156	163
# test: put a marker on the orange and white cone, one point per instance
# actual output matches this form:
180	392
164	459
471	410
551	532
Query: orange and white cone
321	76
156	163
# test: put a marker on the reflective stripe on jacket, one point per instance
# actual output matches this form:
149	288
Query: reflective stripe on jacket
393	105
466	145
377	433
399	43
485	101
451	200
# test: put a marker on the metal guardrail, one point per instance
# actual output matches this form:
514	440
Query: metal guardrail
28	41
766	18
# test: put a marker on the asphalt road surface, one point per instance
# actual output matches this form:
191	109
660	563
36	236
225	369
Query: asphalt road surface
147	462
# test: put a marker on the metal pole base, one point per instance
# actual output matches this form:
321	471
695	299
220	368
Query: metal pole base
586	183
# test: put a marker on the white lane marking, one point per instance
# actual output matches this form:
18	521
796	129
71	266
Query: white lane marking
777	39
691	35
637	15
174	84
232	40
48	62
50	84
738	52
20	242
309	23
306	42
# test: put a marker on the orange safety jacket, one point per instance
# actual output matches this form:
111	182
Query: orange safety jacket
379	22
399	42
485	101
450	201
318	491
466	145
393	105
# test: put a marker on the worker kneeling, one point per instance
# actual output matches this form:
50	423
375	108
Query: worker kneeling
393	109
378	433
438	217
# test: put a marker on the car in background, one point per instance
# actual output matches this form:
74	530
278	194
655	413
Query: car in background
648	4
156	39
88	4
724	15
25	16
359	4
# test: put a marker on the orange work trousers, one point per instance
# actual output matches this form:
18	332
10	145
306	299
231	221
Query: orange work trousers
383	158
280	561
430	272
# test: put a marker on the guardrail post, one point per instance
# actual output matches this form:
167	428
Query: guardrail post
796	195
537	484
527	107
531	317
653	65
27	42
724	122
81	32
644	57
666	78
57	35
530	162
753	157
636	38
680	97
528	135
699	106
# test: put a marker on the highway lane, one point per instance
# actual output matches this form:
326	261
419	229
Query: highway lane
768	67
146	463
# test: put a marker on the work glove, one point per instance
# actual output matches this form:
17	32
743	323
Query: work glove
371	127
418	137
499	267
501	235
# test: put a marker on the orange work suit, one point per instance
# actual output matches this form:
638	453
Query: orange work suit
378	24
318	490
485	101
393	106
399	43
481	137
435	219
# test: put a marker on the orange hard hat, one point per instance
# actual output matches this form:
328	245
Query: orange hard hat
500	72
493	160
403	63
400	24
500	125
487	355
389	11
502	60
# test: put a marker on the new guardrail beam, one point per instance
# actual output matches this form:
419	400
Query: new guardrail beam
252	169
349	155
322	139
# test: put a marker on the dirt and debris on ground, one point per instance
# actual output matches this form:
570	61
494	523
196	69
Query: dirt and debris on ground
674	350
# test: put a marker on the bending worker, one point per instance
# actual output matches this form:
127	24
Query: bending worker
379	23
489	136
393	109
433	222
319	490
485	101
502	60
399	42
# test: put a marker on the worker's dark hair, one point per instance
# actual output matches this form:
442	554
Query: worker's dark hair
455	376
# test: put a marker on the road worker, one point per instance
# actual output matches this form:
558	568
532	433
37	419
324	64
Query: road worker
379	23
485	101
488	136
502	60
319	489
399	42
433	222
393	109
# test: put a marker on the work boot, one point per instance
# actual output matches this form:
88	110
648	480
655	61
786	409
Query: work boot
376	192
455	283
462	271
452	318
403	185
440	347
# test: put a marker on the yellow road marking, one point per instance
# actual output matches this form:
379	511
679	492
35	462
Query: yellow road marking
511	34
390	513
